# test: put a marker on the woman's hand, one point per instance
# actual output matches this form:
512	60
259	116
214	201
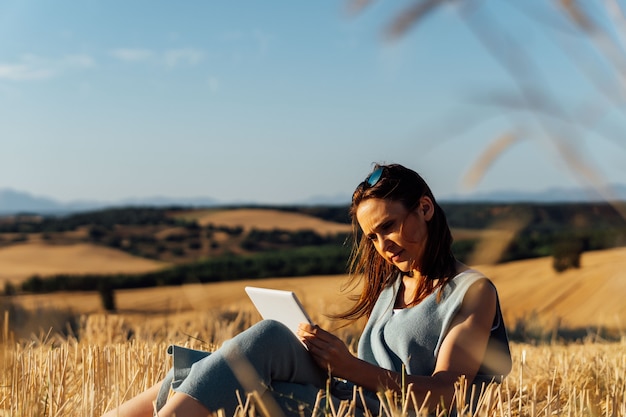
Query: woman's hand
328	351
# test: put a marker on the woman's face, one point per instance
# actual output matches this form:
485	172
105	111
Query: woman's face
398	235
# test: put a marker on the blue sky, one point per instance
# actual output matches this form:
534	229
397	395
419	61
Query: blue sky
279	101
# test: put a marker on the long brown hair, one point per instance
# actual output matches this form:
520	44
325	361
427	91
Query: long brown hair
396	183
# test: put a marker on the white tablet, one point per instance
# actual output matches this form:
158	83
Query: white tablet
279	305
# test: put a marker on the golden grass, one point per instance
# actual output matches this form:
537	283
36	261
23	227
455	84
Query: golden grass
112	357
100	367
104	359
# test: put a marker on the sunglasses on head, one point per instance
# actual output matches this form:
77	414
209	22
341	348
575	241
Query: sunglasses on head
375	176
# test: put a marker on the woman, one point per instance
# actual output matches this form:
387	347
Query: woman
431	321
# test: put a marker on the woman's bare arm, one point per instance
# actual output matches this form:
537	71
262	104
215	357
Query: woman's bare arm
461	352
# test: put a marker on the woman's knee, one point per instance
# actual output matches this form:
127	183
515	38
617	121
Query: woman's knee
264	333
272	329
182	404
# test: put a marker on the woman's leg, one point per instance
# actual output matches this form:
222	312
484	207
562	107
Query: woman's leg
139	406
183	405
251	361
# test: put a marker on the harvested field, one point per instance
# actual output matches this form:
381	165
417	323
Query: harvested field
265	219
21	261
115	358
591	296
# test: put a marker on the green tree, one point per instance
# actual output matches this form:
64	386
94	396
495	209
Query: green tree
566	254
107	295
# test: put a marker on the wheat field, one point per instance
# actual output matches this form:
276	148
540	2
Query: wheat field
110	358
61	355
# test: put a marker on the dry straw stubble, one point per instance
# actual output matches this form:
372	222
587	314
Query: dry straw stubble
88	374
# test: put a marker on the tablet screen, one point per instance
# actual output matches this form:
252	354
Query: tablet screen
279	305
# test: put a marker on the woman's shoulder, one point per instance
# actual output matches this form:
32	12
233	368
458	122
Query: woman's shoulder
471	281
469	276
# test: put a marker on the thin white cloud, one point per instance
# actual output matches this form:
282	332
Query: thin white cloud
23	72
132	55
242	42
33	67
184	56
171	58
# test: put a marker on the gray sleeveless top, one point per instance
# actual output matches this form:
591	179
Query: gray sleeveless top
412	336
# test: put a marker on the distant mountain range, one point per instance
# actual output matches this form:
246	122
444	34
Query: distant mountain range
13	202
549	195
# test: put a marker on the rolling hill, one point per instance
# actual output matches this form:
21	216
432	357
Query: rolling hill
264	219
589	296
21	261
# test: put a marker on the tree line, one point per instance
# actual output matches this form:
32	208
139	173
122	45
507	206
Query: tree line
562	231
311	260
